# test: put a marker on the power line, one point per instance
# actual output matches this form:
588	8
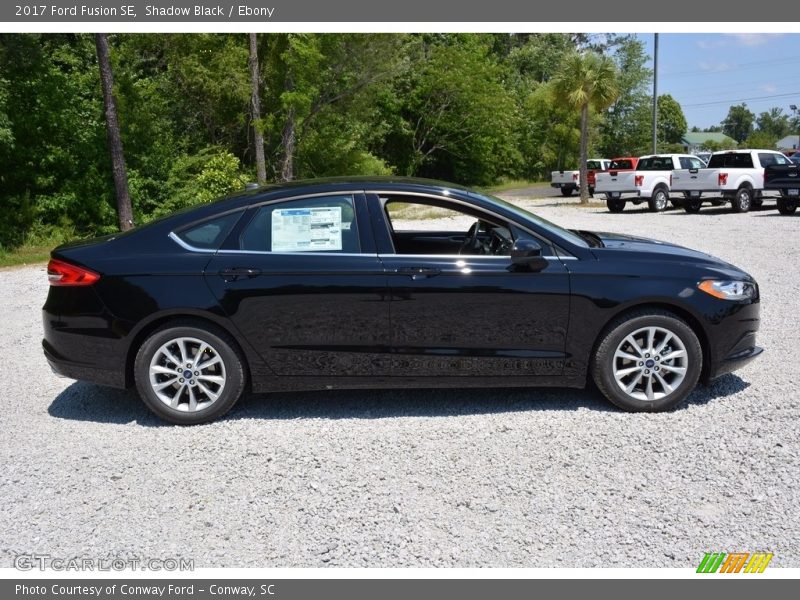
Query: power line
743	99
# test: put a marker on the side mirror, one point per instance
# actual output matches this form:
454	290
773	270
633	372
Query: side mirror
527	254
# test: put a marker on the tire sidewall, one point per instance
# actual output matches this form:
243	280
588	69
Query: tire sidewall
234	371
603	362
659	200
743	200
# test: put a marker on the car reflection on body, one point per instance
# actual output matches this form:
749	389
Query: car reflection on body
321	284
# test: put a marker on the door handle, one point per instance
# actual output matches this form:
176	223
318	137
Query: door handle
234	273
418	272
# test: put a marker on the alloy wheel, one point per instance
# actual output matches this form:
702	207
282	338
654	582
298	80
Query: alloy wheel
650	363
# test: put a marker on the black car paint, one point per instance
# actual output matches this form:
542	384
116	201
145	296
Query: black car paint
379	319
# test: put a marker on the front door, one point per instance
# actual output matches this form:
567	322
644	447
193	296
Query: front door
458	305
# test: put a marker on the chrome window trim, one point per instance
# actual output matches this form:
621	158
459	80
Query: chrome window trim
298	253
186	246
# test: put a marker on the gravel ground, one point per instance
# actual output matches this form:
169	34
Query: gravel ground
393	478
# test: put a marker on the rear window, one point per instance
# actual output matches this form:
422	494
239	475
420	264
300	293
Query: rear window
655	163
594	164
621	164
733	160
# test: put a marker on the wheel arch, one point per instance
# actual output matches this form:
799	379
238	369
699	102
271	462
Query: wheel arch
143	331
679	311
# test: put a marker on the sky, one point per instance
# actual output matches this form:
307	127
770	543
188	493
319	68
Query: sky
707	73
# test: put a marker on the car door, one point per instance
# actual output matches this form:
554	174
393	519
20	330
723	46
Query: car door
302	282
456	315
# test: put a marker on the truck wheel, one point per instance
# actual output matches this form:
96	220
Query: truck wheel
787	207
566	191
743	199
615	205
692	206
591	191
658	201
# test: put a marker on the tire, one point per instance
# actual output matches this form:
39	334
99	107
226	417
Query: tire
743	200
612	370
659	200
615	205
591	191
566	191
692	206
214	388
786	207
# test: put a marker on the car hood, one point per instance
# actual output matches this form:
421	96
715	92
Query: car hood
639	248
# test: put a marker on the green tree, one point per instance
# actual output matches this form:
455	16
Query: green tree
760	140
774	123
625	129
586	80
739	122
671	120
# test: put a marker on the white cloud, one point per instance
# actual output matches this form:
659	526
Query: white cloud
709	44
768	87
753	39
715	67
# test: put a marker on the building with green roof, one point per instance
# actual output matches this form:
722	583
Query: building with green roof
694	141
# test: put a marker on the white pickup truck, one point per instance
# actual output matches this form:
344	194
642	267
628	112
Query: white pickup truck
737	176
650	182
569	181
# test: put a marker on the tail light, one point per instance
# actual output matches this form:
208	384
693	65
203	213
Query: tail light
574	177
63	273
638	180
723	178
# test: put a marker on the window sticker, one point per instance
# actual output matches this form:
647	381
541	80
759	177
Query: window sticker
307	229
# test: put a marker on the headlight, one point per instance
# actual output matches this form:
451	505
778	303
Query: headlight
729	290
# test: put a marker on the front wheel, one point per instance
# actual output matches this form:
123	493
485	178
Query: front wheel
743	200
566	191
786	207
615	205
188	373
647	361
658	201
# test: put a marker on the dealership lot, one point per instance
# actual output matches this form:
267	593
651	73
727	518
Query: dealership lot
454	478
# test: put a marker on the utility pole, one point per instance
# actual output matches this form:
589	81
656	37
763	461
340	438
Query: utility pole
655	93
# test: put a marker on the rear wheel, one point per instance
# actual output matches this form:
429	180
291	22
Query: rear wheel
743	199
786	207
647	361
188	373
565	191
615	205
658	201
591	191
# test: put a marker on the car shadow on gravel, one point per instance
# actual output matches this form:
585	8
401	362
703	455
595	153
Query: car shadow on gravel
87	402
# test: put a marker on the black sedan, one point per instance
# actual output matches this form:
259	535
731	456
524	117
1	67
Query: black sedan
323	284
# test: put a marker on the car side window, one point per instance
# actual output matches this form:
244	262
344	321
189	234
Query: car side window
319	224
209	234
780	159
767	159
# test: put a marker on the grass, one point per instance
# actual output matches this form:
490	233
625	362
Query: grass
25	255
511	184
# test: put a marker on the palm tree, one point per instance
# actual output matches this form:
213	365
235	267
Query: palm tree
586	80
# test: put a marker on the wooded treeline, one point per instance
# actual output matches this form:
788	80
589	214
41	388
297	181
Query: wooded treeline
468	108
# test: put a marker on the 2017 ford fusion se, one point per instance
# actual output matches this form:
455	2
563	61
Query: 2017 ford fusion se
322	284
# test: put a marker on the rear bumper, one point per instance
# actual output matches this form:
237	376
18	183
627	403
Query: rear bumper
564	185
82	371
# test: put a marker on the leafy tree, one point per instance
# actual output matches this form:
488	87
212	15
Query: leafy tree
586	81
671	121
625	129
759	139
774	124
739	122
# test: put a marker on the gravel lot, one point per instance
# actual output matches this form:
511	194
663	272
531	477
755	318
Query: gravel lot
455	478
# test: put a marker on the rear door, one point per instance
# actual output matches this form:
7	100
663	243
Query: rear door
302	282
457	312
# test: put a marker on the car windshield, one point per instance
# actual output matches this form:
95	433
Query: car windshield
566	234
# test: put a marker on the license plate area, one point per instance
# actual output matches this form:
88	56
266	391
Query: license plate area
793	192
694	194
